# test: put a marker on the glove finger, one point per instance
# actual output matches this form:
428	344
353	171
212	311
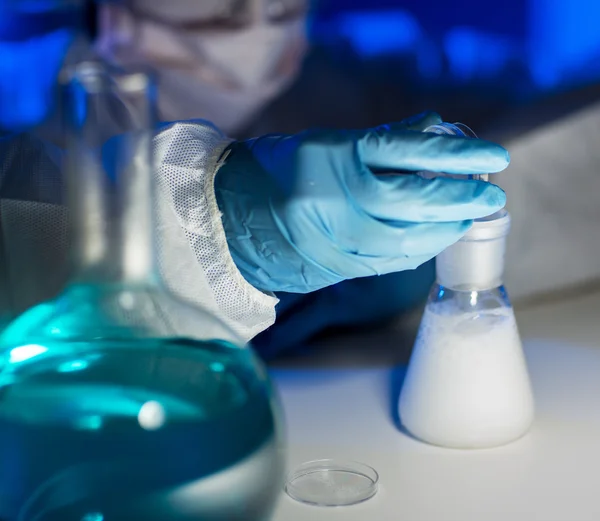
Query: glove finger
413	199
398	149
371	239
418	123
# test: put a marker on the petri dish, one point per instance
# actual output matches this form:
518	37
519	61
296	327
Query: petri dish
332	483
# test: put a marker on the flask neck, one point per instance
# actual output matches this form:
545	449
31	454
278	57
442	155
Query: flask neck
476	262
110	176
471	265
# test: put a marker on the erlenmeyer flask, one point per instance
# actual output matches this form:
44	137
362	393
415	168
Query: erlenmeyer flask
467	384
117	400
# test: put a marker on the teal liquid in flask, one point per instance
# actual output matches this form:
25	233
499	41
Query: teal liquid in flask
119	402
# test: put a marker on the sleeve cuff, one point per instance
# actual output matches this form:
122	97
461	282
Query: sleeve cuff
188	156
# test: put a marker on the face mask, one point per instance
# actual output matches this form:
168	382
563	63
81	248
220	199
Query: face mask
226	77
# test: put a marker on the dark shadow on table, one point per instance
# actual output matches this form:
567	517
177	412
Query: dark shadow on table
396	380
388	346
382	345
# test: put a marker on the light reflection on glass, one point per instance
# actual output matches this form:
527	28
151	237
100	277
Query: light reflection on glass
89	423
217	367
473	298
26	352
74	365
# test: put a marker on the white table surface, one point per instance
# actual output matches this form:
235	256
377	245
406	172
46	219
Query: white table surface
341	404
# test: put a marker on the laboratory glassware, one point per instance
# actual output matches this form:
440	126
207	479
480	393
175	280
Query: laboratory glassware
467	384
119	401
332	483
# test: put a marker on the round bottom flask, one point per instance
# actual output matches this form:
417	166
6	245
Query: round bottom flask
104	416
467	384
119	401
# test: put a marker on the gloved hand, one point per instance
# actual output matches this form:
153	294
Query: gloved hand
305	211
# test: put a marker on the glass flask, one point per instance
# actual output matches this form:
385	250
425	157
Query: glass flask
119	402
467	384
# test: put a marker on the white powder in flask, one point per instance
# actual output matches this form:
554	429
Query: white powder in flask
467	385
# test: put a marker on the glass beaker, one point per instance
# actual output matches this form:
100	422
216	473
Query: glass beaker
467	384
118	401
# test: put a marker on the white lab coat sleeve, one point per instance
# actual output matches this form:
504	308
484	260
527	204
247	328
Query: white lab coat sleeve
194	259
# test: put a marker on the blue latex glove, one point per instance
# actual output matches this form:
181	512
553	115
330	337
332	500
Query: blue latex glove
305	211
